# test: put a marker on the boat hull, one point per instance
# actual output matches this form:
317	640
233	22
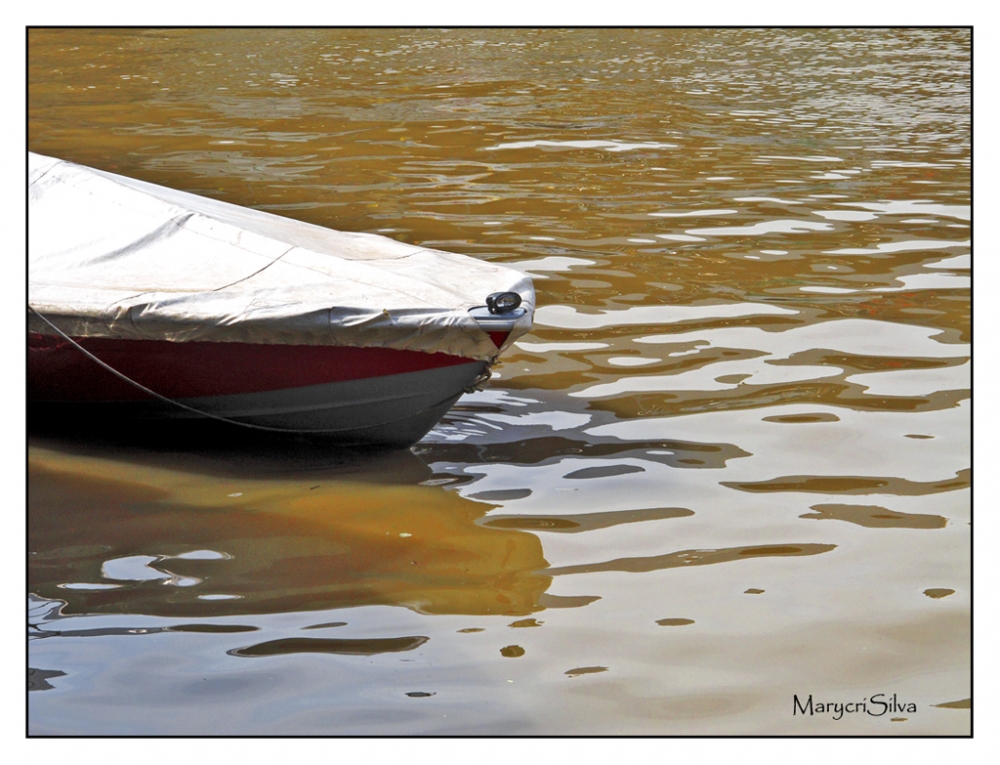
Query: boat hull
349	395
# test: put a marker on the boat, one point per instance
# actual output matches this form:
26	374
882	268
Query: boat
150	304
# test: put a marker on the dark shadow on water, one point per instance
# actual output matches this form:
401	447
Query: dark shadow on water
549	448
220	449
341	646
686	558
38	679
131	631
582	521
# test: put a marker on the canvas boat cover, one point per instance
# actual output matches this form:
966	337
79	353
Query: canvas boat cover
110	256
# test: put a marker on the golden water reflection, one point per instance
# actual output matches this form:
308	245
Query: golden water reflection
267	546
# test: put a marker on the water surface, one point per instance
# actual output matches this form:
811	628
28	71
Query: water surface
729	466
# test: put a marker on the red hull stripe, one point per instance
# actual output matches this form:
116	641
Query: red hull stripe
59	372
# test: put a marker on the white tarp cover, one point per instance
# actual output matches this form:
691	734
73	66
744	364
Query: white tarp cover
110	256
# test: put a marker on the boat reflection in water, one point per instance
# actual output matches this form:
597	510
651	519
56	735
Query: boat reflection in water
320	538
263	525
